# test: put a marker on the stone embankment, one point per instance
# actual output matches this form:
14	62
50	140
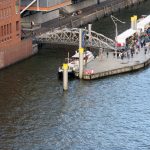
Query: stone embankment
88	14
104	10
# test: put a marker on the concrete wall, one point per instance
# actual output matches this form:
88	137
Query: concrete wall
81	5
41	17
55	2
42	3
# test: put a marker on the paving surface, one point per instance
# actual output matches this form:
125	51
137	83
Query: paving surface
102	64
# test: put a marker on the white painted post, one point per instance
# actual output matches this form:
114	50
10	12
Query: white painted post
80	38
132	23
65	77
135	22
38	5
90	29
81	50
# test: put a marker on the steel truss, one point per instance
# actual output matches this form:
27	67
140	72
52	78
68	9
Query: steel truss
71	37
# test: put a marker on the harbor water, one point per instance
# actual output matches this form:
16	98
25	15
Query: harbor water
112	113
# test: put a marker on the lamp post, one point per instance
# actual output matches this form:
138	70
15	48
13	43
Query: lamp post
115	20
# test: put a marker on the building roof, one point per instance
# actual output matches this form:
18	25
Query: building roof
143	23
123	36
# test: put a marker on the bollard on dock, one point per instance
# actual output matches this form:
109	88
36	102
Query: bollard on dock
65	77
81	50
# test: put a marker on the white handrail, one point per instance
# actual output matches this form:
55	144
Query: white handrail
28	6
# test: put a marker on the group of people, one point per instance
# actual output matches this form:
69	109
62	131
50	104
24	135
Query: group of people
134	45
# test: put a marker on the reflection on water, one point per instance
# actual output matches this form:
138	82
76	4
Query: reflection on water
110	113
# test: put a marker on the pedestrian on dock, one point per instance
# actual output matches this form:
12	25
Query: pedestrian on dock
107	54
136	50
114	54
122	55
142	41
94	54
117	55
132	51
128	55
101	54
145	49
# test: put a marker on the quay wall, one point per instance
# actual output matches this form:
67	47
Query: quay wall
16	52
113	6
117	71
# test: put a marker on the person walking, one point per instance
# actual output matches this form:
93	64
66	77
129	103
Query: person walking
128	55
107	54
145	49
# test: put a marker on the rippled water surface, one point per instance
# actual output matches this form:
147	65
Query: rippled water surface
108	114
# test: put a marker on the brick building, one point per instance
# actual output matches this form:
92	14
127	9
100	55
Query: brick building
12	48
9	22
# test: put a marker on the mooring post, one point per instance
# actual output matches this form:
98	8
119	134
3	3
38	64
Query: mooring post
65	77
81	50
80	38
135	22
132	23
90	29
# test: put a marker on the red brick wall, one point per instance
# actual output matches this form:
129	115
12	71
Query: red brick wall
15	52
10	30
12	49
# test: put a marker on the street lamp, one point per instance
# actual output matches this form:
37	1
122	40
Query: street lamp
115	20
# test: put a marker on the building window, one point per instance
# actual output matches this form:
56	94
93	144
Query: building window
0	14
9	11
17	6
10	30
2	31
17	25
7	29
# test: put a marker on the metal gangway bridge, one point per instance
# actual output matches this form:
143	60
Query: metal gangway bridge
70	36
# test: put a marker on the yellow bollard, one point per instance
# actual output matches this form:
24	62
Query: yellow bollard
135	17
81	50
65	66
134	22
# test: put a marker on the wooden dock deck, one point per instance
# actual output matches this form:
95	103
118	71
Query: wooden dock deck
106	66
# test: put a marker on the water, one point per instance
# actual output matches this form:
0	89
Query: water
106	114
